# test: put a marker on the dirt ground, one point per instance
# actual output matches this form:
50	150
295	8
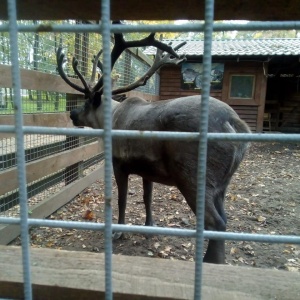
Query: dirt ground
263	197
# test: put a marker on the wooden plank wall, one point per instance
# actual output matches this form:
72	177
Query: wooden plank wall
267	10
289	114
247	113
170	87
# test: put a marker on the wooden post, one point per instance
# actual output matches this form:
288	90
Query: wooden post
127	68
73	172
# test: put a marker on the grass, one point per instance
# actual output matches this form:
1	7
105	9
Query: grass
31	106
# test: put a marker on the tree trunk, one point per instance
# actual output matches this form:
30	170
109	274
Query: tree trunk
56	101
39	103
30	95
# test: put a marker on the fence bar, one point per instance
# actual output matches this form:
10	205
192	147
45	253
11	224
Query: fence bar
136	134
13	33
107	134
196	27
106	40
251	237
201	174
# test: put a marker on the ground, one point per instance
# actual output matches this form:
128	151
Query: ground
263	197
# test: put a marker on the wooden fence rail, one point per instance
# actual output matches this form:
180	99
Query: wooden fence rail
58	274
59	159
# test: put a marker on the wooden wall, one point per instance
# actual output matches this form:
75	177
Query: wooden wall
289	114
170	85
267	10
249	110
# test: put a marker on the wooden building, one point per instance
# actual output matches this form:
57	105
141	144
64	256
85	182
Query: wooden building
260	79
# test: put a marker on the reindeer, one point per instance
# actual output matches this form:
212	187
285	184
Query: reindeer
167	162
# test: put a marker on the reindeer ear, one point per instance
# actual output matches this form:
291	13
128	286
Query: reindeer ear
97	99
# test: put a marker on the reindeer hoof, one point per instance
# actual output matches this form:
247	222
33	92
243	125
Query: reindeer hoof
117	235
151	223
149	235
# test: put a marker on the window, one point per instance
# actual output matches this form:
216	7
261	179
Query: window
242	86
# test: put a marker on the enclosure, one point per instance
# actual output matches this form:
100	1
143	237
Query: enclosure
55	162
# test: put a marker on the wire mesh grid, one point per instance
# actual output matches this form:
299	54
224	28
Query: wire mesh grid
37	51
45	187
108	134
131	67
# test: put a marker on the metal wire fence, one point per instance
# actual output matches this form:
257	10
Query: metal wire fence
37	52
108	134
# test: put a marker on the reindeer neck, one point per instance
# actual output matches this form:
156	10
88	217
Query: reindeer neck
114	105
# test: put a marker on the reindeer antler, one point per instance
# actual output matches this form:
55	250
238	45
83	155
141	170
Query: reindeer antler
120	45
96	63
60	59
159	61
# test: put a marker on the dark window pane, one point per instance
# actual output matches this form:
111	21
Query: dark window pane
242	86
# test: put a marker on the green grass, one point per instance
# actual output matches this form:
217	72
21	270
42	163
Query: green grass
29	106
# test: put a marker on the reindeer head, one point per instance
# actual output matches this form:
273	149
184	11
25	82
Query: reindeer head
91	113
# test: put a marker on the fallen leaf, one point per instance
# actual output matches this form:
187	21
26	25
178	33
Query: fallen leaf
233	250
241	259
168	248
261	219
286	252
173	197
248	247
88	215
156	245
162	254
187	245
86	200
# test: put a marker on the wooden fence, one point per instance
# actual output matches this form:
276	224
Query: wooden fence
54	158
60	157
58	274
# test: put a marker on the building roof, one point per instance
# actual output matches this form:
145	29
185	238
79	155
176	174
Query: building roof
253	47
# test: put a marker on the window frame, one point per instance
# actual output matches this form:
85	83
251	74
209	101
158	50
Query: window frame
242	75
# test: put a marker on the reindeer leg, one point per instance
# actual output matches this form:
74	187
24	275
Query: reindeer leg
122	184
148	187
215	220
215	253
